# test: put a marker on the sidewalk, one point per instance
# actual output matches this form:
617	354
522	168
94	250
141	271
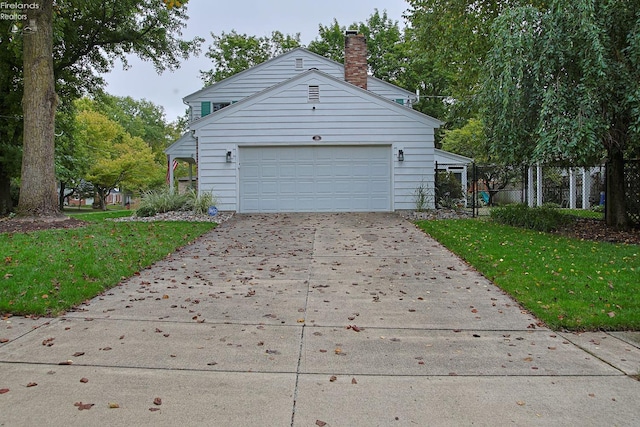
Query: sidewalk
312	319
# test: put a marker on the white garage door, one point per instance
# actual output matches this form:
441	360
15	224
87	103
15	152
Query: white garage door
315	179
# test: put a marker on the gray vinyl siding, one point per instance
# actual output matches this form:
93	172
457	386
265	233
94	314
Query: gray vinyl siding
345	115
277	70
260	78
184	148
388	91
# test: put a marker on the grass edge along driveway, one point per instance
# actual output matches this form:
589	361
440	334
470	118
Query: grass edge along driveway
567	283
49	272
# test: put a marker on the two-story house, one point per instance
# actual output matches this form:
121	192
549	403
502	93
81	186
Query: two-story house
302	133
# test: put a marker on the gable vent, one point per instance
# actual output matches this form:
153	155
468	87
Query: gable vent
299	63
314	93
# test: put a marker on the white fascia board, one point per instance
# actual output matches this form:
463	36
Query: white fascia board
457	158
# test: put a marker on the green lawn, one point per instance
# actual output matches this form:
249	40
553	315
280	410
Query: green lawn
567	283
48	272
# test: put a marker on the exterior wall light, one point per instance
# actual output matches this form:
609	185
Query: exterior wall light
401	155
228	157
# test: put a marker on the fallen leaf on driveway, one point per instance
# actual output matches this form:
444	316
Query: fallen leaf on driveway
333	378
4	390
353	381
4	340
78	354
32	384
320	423
113	405
157	401
520	403
154	409
84	380
83	406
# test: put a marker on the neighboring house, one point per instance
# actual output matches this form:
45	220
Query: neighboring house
302	133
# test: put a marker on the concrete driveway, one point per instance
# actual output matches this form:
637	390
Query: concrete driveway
311	320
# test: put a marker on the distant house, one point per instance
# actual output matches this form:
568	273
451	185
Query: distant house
302	133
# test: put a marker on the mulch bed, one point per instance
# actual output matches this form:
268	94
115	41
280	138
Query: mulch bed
14	225
594	229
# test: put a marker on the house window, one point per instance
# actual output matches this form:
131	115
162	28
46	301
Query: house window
314	93
220	105
207	107
299	63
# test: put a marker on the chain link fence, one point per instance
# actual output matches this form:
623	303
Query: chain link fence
632	190
476	188
486	186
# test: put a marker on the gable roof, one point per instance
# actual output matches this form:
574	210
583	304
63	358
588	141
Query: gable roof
292	53
282	86
183	148
451	157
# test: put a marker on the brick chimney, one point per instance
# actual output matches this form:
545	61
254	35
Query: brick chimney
355	59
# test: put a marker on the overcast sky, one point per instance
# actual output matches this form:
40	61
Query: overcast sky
251	17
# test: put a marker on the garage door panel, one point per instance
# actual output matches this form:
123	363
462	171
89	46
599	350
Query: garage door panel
317	178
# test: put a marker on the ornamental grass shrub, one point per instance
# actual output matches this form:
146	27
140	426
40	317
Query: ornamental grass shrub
167	200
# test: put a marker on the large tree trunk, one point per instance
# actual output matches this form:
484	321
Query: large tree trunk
616	205
38	183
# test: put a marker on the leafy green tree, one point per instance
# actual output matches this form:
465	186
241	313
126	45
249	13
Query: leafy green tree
471	141
468	140
452	39
385	44
73	41
232	53
71	157
330	41
140	118
562	87
117	159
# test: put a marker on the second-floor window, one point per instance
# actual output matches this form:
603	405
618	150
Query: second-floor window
208	107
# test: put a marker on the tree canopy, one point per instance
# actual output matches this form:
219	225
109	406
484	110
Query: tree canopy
385	53
562	87
116	159
450	41
232	53
87	38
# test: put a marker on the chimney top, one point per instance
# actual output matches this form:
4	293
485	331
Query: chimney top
355	59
